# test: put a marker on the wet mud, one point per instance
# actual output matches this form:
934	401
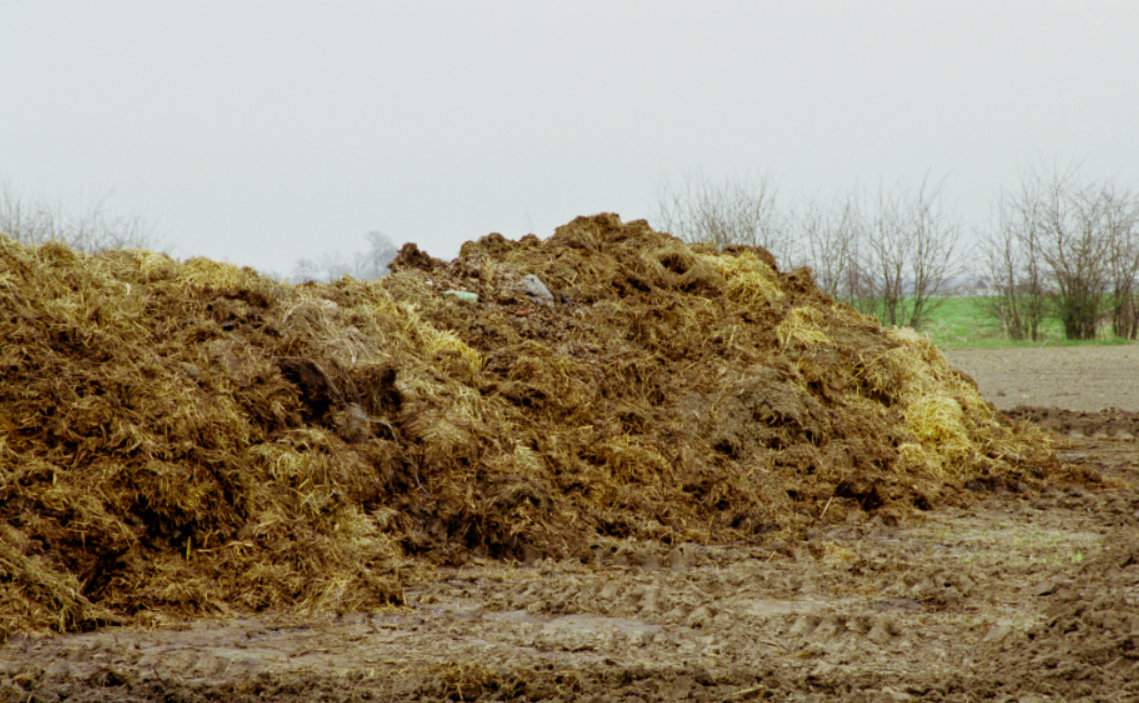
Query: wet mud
1017	597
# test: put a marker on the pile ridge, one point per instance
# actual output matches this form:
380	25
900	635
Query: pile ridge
191	438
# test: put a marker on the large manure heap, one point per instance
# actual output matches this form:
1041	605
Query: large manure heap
193	438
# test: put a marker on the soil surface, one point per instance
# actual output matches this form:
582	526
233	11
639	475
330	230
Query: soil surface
1019	596
1074	378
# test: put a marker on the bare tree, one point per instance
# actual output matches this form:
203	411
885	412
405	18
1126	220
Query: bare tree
306	270
381	251
884	260
1121	220
731	212
366	265
25	222
1073	244
830	237
1015	269
908	258
1074	224
93	230
892	260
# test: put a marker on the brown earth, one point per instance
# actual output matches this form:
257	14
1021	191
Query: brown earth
1075	378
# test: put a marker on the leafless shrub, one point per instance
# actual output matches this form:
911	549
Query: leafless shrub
830	237
93	230
731	212
892	259
366	265
1121	220
1075	249
1069	245
1014	266
908	259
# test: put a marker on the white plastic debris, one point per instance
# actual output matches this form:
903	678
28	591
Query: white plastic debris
533	287
464	295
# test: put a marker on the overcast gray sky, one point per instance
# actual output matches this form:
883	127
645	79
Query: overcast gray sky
261	132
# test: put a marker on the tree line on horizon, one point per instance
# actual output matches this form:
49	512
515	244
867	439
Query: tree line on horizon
1060	246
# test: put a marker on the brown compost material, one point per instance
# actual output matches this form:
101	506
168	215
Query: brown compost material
1108	422
191	438
1086	647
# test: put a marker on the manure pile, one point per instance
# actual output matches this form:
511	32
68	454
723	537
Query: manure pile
193	438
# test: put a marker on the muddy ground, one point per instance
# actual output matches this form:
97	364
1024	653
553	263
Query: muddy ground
1074	378
1017	596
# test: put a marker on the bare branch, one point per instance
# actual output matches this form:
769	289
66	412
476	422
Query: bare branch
726	213
93	230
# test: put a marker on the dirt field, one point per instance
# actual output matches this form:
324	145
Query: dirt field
1074	378
1011	596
